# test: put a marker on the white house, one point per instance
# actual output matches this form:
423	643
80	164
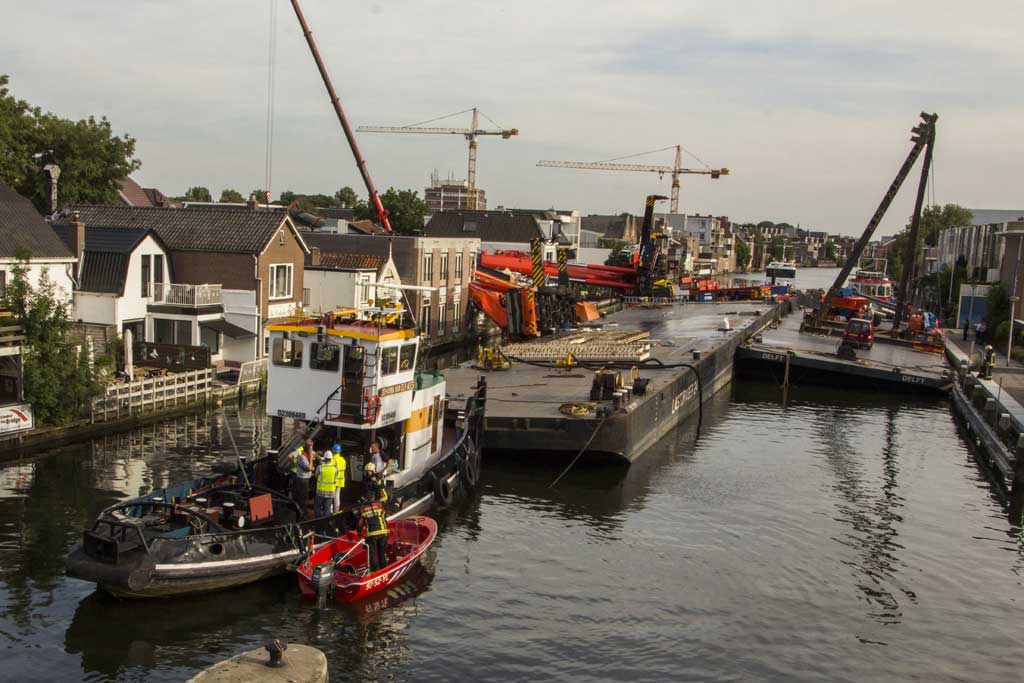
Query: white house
348	280
24	232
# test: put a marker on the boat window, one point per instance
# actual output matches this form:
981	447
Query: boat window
389	360
287	352
325	357
353	368
407	358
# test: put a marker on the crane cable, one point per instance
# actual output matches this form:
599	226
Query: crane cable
271	88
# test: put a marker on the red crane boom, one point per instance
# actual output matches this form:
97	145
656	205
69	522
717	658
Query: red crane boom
382	213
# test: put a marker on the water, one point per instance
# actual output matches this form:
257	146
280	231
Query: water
845	537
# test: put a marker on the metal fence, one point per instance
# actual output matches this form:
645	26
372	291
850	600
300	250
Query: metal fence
141	396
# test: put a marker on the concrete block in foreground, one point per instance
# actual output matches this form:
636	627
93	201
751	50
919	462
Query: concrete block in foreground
303	664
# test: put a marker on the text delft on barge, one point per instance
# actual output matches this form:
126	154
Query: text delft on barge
240	525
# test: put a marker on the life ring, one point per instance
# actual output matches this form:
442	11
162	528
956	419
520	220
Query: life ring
469	471
372	409
443	491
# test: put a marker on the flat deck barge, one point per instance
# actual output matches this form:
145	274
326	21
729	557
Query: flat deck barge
811	358
544	409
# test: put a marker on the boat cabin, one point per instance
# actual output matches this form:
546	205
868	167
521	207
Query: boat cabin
871	283
357	378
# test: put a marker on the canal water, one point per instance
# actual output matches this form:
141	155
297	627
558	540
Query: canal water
841	536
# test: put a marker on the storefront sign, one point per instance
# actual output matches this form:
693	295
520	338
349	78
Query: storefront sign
16	418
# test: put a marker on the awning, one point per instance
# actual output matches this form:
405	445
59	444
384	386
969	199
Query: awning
230	329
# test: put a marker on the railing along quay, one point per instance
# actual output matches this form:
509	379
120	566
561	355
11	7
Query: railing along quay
146	395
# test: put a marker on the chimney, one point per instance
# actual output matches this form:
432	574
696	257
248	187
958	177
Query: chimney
253	202
76	237
53	170
314	256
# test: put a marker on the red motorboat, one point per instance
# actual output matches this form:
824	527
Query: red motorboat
338	569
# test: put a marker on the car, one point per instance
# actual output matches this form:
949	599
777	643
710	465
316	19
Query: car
860	332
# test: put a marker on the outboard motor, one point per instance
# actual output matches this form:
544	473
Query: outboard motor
323	583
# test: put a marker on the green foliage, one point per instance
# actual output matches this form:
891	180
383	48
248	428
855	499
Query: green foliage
742	255
777	248
610	243
998	313
347	198
229	196
935	219
90	156
830	250
764	225
307	202
620	257
198	194
59	381
405	211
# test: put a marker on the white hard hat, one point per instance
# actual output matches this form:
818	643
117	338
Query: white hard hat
371	468
328	454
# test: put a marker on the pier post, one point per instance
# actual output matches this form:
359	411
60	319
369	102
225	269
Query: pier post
1017	486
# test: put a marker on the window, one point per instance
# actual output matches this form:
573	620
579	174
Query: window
281	281
145	275
407	357
458	265
457	316
209	338
183	332
326	357
425	319
3	283
170	331
287	352
428	267
305	297
353	370
389	360
444	267
158	268
440	319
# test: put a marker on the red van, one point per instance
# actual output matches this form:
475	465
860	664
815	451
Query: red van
860	332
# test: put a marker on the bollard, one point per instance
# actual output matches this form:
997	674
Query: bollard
1004	421
989	410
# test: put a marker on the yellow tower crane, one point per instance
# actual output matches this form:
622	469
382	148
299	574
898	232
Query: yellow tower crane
676	170
470	134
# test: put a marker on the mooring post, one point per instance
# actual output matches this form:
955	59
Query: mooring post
785	378
1017	486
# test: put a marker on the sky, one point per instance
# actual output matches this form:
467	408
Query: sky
809	104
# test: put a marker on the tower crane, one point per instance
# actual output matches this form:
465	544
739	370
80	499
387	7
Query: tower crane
676	170
471	134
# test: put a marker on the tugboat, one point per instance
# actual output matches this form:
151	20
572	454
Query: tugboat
343	376
780	270
874	284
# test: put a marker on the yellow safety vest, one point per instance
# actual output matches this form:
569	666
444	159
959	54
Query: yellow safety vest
326	481
339	462
375	521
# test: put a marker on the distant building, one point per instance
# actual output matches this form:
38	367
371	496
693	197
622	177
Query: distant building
453	195
23	230
623	226
496	230
130	193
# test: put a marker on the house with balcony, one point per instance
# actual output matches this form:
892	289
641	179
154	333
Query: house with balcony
232	271
347	271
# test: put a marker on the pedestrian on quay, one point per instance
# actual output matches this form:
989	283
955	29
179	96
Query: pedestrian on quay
989	362
326	480
303	470
339	462
967	328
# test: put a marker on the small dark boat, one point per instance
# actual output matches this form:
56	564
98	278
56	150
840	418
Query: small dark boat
339	569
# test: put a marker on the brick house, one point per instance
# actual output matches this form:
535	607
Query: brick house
246	261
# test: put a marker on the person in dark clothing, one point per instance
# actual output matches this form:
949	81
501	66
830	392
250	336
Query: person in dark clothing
373	523
967	328
303	470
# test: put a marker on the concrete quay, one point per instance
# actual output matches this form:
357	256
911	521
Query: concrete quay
300	664
539	408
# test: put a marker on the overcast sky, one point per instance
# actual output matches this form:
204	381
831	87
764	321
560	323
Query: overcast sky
809	103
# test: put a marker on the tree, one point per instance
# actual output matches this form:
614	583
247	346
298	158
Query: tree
764	225
405	211
198	194
347	198
777	248
229	196
830	250
935	219
742	255
90	156
59	380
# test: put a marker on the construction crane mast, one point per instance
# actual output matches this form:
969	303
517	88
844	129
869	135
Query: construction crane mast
371	190
676	170
471	134
923	137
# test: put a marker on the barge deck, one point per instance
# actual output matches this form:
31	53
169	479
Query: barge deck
536	407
